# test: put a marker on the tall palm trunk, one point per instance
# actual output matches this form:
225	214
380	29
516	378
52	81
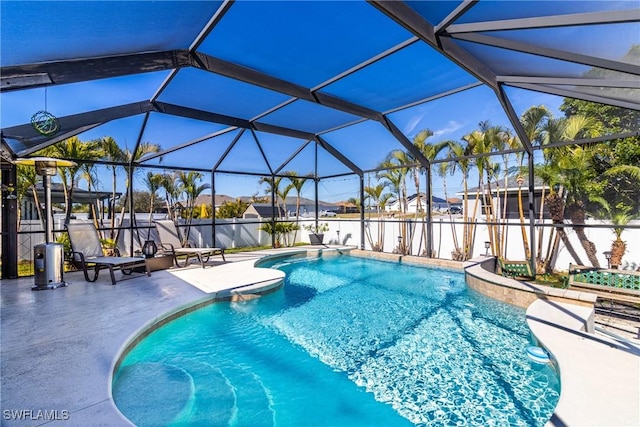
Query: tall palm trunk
556	210
577	216
453	226
525	240
112	205
494	230
539	258
618	249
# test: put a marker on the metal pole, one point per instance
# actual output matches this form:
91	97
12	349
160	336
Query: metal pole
9	223
532	214
429	242
315	180
48	234
131	208
213	207
273	211
362	212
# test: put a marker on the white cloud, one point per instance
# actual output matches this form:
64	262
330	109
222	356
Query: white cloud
451	127
412	124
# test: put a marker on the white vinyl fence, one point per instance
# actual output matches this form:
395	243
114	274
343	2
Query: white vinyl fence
239	233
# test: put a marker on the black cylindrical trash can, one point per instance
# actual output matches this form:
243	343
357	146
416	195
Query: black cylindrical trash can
48	259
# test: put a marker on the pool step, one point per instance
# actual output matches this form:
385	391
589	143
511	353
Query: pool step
253	406
226	394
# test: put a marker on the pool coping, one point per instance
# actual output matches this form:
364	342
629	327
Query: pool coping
562	321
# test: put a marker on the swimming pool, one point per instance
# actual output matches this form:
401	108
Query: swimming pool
347	341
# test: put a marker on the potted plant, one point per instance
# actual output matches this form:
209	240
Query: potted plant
109	247
281	230
316	232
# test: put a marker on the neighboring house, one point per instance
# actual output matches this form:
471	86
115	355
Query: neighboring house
206	200
512	210
438	204
307	206
28	209
262	210
345	207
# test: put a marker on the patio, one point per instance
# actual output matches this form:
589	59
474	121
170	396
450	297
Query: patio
60	347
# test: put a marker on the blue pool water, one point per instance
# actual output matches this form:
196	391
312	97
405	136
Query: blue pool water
346	342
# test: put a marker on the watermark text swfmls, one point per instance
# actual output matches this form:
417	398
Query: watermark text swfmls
36	415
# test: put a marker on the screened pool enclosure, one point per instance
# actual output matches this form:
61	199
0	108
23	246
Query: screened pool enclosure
444	129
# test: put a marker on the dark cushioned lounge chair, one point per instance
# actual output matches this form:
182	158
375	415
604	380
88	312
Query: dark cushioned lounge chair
171	243
87	253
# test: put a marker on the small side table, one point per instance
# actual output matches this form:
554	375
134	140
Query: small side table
158	262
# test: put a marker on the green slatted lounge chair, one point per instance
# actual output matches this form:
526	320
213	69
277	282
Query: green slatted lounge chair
171	243
516	269
86	251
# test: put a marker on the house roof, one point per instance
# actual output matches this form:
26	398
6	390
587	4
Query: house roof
511	185
265	210
80	195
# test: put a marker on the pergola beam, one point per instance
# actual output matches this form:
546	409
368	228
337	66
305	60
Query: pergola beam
580	95
248	75
405	16
187	144
412	149
563	55
72	125
513	118
80	70
192	113
264	156
569	81
456	13
291	157
590	18
338	155
215	19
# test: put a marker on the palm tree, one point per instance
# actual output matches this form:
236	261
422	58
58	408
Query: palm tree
536	124
354	201
568	172
153	182
283	194
273	187
555	202
189	184
169	183
380	199
401	157
463	164
396	178
577	173
80	152
430	151
443	169
297	183
88	172
27	178
486	139
112	153
130	159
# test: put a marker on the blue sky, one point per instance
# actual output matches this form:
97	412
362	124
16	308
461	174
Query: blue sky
450	117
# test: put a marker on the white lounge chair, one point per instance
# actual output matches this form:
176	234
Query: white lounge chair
86	251
171	243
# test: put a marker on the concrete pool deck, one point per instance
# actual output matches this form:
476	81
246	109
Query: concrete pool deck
59	347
